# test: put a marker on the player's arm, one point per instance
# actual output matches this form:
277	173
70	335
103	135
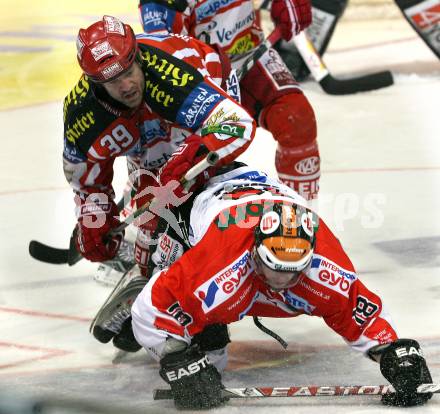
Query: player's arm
169	320
367	327
217	122
359	316
159	16
90	178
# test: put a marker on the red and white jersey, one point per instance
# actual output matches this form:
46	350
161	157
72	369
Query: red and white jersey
231	24
182	96
216	280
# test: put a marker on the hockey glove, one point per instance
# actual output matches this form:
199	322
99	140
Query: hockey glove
292	16
194	382
403	365
212	338
94	222
186	156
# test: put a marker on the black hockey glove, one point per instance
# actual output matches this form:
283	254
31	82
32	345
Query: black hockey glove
404	366
194	382
212	338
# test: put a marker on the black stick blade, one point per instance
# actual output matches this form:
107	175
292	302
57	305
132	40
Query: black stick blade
47	254
364	83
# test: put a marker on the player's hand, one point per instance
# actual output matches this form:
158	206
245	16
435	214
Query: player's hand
402	363
194	382
94	222
292	16
185	157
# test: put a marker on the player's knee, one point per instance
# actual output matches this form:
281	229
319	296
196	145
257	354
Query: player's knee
291	120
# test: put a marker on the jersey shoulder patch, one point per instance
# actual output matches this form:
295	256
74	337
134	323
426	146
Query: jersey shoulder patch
331	275
168	80
84	117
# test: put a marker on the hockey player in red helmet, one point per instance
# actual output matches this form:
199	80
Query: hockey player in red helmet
158	100
106	49
259	251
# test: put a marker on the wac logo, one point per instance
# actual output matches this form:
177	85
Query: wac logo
307	166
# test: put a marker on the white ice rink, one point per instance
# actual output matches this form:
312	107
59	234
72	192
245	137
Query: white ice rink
379	192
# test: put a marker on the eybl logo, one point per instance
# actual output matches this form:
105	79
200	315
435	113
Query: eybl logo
220	287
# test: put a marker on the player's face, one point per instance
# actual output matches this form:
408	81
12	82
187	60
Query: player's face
276	280
127	88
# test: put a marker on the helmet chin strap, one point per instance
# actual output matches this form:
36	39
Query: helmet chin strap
267	331
257	322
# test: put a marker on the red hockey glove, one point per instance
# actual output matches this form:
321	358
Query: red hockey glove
292	16
94	222
185	157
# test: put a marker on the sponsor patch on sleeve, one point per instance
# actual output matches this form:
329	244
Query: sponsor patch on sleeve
331	275
222	286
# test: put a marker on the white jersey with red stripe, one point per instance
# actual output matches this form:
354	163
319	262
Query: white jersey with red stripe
216	281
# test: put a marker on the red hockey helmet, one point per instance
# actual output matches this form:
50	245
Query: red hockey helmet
106	49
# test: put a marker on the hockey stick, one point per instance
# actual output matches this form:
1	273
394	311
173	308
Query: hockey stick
71	256
247	65
305	391
48	254
53	255
330	84
424	17
322	75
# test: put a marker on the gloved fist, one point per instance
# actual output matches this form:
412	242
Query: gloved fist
185	157
194	382
94	222
292	16
404	366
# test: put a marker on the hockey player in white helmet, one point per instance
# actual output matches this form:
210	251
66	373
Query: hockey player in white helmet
257	250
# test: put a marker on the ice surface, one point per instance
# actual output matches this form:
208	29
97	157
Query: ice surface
378	149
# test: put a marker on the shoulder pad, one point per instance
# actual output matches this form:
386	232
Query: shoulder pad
169	80
84	117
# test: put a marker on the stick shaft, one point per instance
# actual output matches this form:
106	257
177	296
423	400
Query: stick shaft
310	56
305	391
210	160
249	63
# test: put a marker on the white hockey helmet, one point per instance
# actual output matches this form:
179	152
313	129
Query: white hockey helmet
284	242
